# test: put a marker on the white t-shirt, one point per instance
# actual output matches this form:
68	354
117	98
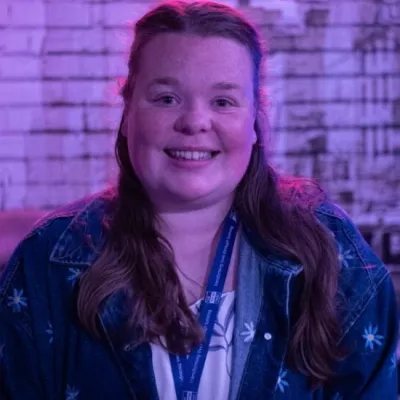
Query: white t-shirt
216	377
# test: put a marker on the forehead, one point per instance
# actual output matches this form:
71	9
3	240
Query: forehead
191	57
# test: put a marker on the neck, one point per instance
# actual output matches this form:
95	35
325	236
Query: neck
200	223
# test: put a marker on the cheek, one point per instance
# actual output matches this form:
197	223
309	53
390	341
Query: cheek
239	138
144	130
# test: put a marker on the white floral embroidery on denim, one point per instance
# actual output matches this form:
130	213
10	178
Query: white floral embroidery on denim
74	274
345	256
17	300
249	332
71	393
393	364
372	337
49	331
282	383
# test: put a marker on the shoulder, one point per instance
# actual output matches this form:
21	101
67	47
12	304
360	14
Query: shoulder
363	277
353	250
57	238
364	280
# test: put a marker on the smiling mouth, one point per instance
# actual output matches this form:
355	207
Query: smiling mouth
192	155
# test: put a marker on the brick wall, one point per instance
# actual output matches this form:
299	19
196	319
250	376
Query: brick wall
334	86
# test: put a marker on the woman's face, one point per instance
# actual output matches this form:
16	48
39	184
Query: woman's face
190	124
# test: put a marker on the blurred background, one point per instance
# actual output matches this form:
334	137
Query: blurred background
333	86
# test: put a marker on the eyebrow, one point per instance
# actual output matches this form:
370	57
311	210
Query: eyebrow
169	81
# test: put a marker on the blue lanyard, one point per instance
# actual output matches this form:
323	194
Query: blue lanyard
187	370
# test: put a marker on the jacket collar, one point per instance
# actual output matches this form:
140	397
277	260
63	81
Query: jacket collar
80	244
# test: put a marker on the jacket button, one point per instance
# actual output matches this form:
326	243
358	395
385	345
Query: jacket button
267	336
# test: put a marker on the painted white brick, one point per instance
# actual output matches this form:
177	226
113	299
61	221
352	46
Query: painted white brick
25	67
40	146
27	13
118	40
378	114
20	119
20	93
94	66
121	13
74	40
77	172
54	92
74	145
117	66
339	88
300	89
74	66
344	12
42	171
345	63
341	115
103	118
60	118
19	40
39	195
344	141
61	66
12	146
5	10
393	87
15	197
96	14
100	144
92	92
16	169
340	38
67	14
99	170
304	64
378	63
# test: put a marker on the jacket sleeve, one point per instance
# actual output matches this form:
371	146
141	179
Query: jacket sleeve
21	372
370	372
368	307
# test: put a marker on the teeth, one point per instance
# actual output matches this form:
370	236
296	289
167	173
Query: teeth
190	155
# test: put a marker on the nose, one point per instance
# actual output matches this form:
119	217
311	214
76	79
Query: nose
194	121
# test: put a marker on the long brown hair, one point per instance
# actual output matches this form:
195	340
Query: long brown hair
139	262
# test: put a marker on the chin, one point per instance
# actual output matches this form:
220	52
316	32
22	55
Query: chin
193	195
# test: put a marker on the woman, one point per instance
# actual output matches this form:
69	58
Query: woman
200	250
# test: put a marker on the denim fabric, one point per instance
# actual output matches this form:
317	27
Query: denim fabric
45	354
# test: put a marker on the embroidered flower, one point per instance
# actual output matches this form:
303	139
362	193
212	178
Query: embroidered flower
71	393
74	274
49	331
345	256
371	337
249	332
17	300
281	383
393	364
222	337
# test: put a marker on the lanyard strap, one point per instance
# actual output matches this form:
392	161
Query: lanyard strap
187	370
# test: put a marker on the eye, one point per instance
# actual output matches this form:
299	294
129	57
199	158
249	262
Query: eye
224	103
166	100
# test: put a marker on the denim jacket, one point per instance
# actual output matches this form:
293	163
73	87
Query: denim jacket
46	355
